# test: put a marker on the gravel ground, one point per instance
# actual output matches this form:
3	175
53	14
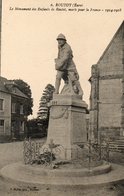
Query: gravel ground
13	152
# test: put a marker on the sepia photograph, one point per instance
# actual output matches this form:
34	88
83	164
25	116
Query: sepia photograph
61	98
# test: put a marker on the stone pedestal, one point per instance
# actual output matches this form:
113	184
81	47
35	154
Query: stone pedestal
67	124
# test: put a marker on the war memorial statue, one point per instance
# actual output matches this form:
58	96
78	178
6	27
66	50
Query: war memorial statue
66	68
67	122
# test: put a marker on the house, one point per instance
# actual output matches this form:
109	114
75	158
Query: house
12	110
107	91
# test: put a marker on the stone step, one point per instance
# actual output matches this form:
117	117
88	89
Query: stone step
119	141
117	146
61	178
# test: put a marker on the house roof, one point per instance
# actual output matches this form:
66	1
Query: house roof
8	86
121	27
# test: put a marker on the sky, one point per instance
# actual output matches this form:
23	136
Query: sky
29	45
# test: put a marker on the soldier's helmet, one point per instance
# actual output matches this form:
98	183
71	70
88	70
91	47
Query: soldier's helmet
61	36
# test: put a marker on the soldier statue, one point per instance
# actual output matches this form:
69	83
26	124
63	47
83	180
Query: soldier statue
66	68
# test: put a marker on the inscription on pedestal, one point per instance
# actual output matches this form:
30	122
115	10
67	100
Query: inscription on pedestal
79	127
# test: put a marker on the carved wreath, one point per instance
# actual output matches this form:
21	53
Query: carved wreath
56	113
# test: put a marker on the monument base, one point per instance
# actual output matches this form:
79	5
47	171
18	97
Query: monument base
67	125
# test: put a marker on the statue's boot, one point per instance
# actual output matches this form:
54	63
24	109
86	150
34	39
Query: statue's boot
57	85
79	88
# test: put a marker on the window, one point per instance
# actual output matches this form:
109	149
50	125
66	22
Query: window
13	107
14	90
22	126
21	109
1	123
1	104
